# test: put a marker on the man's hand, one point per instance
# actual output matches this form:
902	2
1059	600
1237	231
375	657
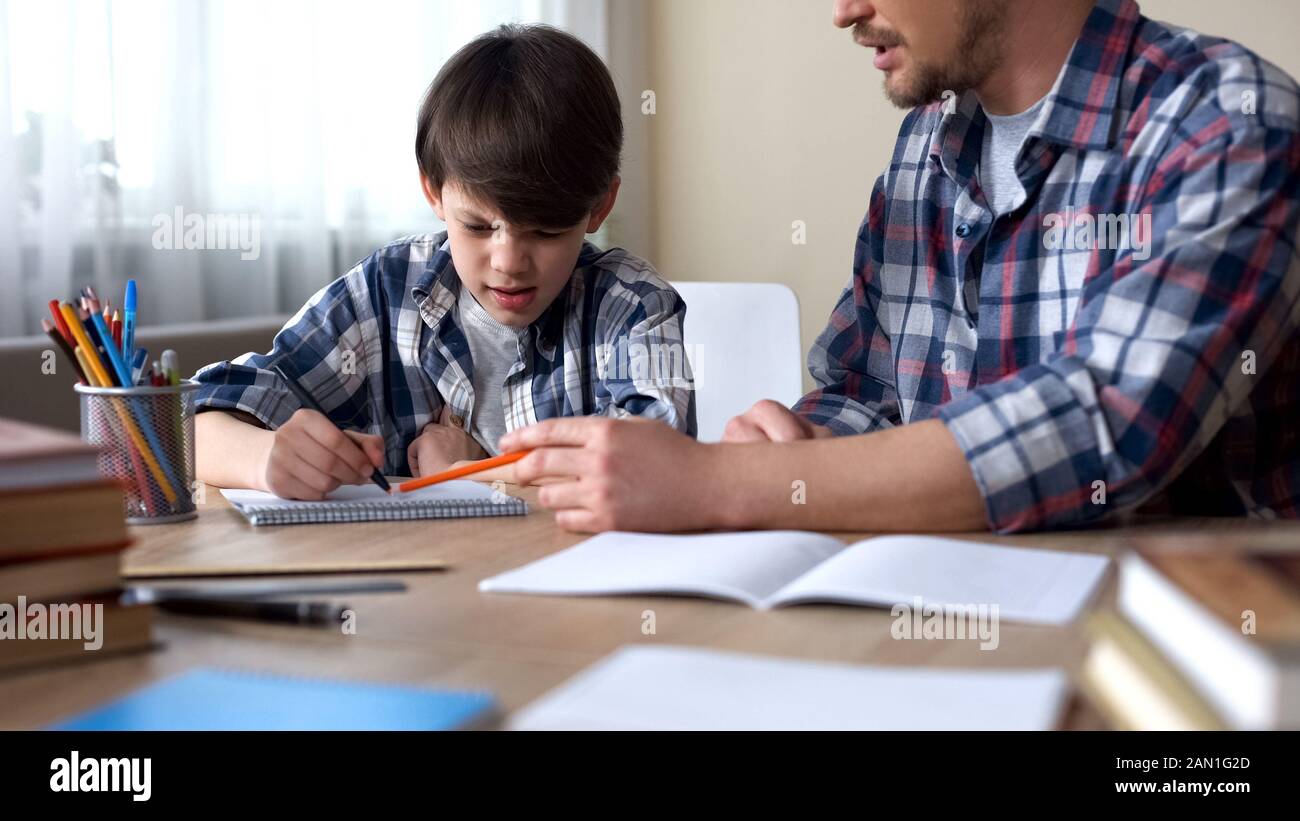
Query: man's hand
614	474
440	446
309	457
636	474
770	421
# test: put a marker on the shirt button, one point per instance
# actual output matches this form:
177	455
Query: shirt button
963	230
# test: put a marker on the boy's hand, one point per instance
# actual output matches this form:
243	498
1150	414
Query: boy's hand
440	446
770	421
309	457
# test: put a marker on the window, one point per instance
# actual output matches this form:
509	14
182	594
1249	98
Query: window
298	117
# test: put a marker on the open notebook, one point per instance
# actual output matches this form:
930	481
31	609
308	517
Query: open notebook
368	503
773	568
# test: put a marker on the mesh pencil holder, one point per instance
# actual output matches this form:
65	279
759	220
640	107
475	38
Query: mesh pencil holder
146	436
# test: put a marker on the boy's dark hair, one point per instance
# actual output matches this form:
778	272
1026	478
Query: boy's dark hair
525	119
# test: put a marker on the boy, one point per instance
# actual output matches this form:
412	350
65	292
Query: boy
431	349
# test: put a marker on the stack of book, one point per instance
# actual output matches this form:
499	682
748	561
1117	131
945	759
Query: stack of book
62	533
1207	636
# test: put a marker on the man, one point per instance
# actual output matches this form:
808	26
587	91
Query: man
1074	293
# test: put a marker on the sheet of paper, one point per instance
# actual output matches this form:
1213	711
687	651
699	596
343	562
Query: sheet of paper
1028	585
458	490
684	688
746	567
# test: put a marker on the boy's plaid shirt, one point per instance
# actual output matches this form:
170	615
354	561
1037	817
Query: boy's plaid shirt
1080	382
381	350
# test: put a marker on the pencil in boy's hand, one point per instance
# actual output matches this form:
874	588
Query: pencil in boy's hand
309	402
464	470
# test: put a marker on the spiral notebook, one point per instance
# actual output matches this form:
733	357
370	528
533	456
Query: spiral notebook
368	503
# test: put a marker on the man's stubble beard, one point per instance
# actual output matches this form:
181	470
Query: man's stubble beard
982	26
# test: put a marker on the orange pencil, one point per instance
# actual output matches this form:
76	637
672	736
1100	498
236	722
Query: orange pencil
464	470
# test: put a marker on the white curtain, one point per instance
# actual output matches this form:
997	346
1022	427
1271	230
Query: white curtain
127	125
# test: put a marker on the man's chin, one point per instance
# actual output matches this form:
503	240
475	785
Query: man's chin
898	92
904	92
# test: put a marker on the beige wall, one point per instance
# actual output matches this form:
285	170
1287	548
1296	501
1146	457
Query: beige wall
766	114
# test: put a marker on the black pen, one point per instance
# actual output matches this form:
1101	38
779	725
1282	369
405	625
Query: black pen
310	403
253	590
291	612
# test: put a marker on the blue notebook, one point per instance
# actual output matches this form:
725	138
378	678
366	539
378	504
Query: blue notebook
206	699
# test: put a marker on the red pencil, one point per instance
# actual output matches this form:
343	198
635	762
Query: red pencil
61	323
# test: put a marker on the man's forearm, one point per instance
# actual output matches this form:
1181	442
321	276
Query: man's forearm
911	478
229	452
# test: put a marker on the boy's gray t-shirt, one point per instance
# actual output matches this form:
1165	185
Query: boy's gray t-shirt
494	350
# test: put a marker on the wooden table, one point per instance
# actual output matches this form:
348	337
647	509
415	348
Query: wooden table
443	632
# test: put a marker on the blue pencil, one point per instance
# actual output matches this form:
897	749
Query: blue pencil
114	355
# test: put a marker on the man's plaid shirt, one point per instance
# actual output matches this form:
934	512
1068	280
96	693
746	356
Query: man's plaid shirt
381	350
1082	379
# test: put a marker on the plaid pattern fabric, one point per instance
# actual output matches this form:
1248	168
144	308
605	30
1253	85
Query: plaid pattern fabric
1127	334
381	350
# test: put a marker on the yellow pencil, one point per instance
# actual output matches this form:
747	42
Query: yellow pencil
83	341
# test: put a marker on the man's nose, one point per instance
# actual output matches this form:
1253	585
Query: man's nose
848	12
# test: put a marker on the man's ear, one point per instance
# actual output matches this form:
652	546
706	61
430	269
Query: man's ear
602	209
434	198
